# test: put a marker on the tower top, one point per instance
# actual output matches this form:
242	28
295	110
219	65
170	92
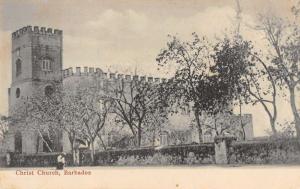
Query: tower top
36	29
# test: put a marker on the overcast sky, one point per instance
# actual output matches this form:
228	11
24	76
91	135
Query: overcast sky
125	35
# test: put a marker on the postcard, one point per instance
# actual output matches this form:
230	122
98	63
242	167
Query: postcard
150	94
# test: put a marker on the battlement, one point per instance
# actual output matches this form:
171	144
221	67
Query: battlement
36	29
97	72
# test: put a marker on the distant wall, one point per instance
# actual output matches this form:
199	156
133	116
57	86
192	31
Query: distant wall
91	71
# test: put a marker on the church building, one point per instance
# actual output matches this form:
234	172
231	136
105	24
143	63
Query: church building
37	65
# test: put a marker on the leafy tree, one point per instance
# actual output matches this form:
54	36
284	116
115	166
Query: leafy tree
191	60
249	78
216	104
193	82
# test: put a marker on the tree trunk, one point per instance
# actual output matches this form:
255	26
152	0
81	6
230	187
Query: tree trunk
241	122
102	142
199	127
92	152
135	137
272	121
139	139
37	144
295	111
73	150
73	153
153	137
72	143
47	145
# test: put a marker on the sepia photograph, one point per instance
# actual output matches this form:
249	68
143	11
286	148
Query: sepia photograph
124	89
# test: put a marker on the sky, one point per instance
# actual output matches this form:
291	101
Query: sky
125	36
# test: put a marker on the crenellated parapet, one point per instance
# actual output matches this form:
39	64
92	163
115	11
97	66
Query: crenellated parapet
97	72
36	29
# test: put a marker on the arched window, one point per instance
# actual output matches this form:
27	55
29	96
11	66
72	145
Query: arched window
18	67
49	91
18	92
18	142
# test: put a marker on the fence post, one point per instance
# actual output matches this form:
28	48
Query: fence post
222	144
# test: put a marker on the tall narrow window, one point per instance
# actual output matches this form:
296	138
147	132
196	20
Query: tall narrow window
18	142
46	65
18	92
18	67
18	52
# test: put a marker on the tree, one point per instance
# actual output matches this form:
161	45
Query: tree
52	115
4	123
216	104
248	76
30	114
216	124
194	82
70	118
261	86
95	108
283	38
134	102
191	60
153	126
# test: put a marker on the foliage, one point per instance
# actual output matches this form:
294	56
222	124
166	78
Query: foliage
189	86
287	131
249	78
207	76
4	123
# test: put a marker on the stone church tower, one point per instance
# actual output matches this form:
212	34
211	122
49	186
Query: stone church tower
36	67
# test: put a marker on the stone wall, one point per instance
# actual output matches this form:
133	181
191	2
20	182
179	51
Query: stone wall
170	155
37	160
283	151
225	150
